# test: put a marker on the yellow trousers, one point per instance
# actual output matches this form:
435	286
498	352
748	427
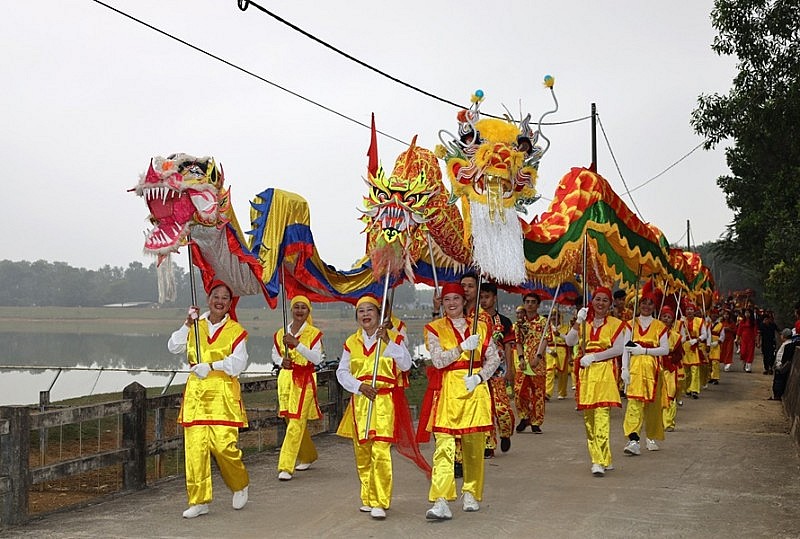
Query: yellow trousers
202	441
374	466
598	431
563	379
669	414
693	379
649	414
297	445
443	481
714	369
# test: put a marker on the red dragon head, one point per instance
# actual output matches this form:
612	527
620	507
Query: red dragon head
180	191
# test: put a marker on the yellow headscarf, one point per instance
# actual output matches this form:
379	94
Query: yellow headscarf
304	301
368	298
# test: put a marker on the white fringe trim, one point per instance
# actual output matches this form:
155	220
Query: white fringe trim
497	246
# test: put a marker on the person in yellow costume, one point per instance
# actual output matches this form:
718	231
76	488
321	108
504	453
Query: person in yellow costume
716	338
212	410
641	372
297	349
597	390
671	364
390	419
559	356
693	334
457	403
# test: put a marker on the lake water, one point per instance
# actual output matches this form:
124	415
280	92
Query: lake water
21	385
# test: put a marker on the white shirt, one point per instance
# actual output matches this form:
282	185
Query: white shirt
398	352
442	358
233	364
313	355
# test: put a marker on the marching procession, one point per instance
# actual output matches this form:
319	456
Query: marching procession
648	354
643	324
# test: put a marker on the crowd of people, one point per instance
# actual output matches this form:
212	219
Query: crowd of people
649	350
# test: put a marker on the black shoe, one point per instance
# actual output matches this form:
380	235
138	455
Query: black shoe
458	470
714	382
505	444
523	424
488	453
536	429
695	395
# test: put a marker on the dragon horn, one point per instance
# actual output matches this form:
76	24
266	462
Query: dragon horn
372	152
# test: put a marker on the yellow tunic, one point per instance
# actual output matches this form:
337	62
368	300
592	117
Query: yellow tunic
645	369
389	379
455	410
217	398
691	355
597	383
715	352
300	382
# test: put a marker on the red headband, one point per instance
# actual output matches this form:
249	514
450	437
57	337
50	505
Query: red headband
602	290
453	288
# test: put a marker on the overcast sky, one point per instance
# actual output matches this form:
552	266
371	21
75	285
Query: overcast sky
89	96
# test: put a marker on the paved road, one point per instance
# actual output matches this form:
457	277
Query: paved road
729	470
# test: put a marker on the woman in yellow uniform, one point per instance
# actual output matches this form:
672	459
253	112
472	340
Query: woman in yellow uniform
390	417
641	372
559	356
297	349
212	410
597	390
671	363
456	402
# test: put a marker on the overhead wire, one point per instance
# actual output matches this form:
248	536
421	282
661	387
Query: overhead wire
243	4
616	164
246	71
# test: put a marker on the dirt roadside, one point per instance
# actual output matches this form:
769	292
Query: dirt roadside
729	470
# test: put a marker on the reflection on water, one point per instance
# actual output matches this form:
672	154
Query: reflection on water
148	352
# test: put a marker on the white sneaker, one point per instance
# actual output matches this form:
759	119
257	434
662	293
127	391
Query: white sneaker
609	467
196	510
439	511
598	470
240	498
303	466
652	445
377	513
470	503
561	398
747	367
285	476
365	509
727	367
632	448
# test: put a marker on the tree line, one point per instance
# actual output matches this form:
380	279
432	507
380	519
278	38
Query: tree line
43	283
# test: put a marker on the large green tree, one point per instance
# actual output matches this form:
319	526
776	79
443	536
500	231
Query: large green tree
759	120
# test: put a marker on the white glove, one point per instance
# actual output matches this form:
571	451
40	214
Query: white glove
582	314
626	376
692	341
201	370
471	342
636	350
472	381
714	344
587	360
193	313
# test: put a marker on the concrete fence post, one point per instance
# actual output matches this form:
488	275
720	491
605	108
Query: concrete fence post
15	477
134	429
